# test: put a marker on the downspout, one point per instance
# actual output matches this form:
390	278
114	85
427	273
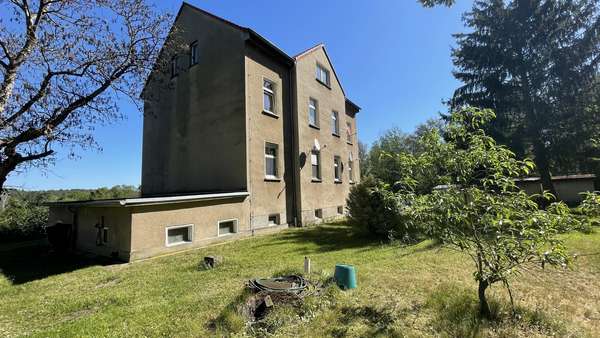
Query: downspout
294	153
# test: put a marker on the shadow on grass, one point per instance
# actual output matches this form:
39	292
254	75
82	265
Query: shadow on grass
26	264
456	314
327	237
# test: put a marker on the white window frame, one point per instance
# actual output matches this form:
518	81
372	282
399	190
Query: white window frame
191	231
320	71
335	123
276	158
315	107
193	53
337	168
318	156
348	131
270	92
235	227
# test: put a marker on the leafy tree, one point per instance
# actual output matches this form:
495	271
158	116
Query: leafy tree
64	64
535	63
483	213
395	169
363	157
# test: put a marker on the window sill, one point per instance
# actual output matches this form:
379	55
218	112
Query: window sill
316	180
177	244
350	143
313	126
225	235
352	182
194	65
272	179
337	181
336	135
271	114
324	84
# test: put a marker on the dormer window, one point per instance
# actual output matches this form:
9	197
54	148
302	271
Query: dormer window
323	75
193	53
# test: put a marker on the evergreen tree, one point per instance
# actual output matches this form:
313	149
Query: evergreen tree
535	63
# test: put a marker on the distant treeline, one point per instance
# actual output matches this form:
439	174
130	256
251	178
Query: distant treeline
23	215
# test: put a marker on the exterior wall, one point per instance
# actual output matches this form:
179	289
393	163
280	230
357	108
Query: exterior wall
149	224
268	196
194	136
116	219
327	194
569	190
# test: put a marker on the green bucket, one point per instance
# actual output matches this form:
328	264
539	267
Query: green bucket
345	276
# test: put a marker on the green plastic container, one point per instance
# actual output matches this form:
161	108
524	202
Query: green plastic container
345	276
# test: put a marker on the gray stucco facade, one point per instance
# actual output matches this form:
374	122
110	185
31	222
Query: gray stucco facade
208	140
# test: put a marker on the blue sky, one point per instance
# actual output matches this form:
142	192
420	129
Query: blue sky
393	58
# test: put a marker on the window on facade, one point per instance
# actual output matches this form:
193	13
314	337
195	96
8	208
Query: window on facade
315	161
274	219
179	235
271	160
227	227
340	210
351	168
349	132
268	96
322	75
174	66
193	53
335	123
313	112
319	213
337	168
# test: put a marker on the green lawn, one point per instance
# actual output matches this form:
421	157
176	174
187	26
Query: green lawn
403	291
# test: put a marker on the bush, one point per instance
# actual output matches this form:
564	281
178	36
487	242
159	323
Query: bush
374	208
590	210
22	220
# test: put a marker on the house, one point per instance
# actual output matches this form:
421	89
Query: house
239	139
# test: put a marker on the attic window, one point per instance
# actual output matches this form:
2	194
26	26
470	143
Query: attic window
322	75
174	66
193	53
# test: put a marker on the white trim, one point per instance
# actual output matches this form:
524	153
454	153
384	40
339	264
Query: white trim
128	202
316	109
275	157
273	96
191	230
235	227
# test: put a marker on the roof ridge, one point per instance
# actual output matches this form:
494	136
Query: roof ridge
309	50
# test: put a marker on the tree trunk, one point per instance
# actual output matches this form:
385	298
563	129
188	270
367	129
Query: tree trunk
543	167
484	308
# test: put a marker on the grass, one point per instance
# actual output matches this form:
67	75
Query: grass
420	290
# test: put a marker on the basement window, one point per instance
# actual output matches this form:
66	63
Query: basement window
319	213
227	227
181	234
340	210
274	219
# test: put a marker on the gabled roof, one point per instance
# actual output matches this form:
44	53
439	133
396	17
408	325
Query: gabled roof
253	36
315	48
262	43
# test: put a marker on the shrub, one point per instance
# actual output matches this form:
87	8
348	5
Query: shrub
374	208
22	220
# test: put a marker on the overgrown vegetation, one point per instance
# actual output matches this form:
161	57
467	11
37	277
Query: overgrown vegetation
415	291
460	189
24	216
